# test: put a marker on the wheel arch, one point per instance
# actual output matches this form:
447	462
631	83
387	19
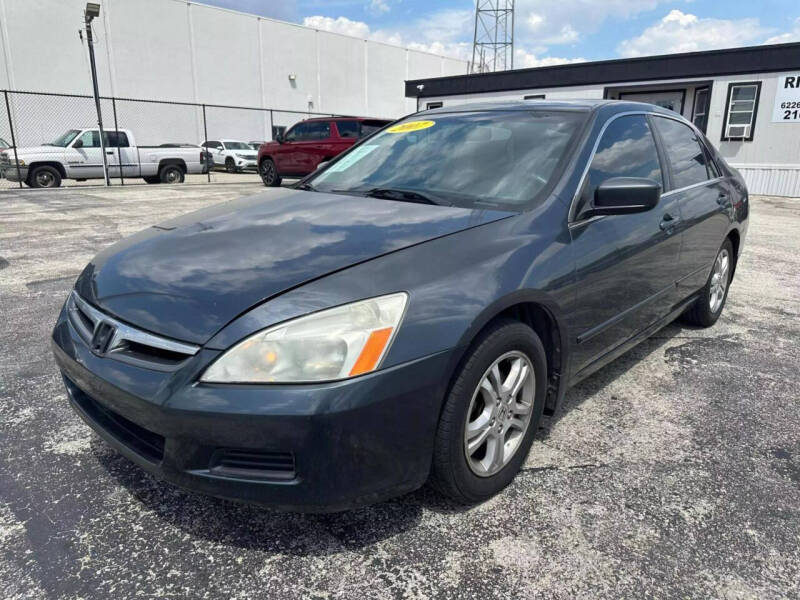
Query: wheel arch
736	239
170	162
540	312
48	163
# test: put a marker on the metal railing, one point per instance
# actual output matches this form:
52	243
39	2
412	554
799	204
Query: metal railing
30	119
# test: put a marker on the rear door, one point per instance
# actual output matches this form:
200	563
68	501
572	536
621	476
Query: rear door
626	265
704	200
125	157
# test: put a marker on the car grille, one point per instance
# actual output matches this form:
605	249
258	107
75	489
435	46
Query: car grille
113	339
145	443
253	464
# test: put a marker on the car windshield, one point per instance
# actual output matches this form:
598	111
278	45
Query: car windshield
496	158
237	146
65	138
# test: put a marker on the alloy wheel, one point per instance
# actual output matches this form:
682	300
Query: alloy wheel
267	172
499	413
719	280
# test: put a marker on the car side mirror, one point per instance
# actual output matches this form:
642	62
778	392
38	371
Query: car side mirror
279	138
624	196
78	144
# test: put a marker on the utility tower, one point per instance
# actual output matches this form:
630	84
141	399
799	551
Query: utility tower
493	44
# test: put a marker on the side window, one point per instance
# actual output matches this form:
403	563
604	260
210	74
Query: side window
318	130
116	139
347	129
297	133
627	149
687	158
90	139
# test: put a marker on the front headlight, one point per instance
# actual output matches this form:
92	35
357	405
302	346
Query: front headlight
336	343
241	155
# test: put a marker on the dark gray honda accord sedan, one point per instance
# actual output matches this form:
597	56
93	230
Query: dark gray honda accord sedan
408	312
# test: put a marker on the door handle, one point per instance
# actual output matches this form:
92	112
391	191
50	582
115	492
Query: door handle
110	152
668	223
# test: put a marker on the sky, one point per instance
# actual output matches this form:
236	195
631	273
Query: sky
549	31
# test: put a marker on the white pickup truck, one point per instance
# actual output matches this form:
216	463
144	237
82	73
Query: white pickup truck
77	155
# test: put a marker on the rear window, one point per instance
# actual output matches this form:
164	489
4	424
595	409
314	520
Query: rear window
492	158
688	161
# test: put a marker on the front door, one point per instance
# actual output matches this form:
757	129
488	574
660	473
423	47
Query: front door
315	146
85	156
626	265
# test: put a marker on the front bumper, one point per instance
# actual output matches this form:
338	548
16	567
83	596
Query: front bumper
10	173
246	163
346	443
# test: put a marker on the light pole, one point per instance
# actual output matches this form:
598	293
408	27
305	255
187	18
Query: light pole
92	11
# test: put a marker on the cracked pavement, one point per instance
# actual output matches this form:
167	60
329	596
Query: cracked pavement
672	472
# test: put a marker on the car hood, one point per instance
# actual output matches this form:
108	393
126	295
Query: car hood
36	150
189	277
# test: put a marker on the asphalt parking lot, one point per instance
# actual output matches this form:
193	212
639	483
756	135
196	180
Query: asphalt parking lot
672	472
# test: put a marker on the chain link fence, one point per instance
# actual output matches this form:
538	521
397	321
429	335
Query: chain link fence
39	120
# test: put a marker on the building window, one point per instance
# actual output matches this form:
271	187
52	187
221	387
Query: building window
740	111
533	97
700	110
431	105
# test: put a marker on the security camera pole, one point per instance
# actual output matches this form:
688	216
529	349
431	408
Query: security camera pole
92	11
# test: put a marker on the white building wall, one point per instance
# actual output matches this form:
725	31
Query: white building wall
184	51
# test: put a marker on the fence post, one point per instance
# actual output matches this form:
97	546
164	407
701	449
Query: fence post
116	129
271	127
205	138
13	138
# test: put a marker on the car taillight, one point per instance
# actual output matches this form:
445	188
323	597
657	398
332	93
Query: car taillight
202	157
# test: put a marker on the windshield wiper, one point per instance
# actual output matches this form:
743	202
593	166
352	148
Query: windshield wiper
305	186
404	196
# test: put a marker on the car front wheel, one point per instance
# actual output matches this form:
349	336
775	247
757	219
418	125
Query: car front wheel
490	414
44	177
269	173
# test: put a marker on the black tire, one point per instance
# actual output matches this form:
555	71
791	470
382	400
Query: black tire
44	176
269	173
451	472
152	179
704	312
171	174
230	165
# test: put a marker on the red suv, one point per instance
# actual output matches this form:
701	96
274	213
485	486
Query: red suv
300	150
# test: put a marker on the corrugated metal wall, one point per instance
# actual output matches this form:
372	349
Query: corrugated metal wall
771	181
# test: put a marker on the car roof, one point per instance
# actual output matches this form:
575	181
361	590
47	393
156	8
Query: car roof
581	105
345	119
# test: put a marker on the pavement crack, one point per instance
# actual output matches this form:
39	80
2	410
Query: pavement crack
565	468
